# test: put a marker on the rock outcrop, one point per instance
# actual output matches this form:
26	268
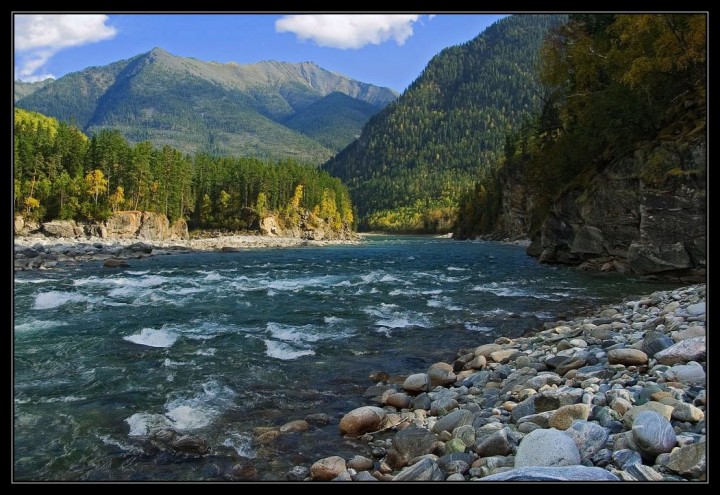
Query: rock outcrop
624	218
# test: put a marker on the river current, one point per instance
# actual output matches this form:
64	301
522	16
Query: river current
217	344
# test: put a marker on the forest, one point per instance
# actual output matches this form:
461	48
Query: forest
60	173
612	85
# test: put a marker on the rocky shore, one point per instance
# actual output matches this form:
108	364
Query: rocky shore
40	252
617	395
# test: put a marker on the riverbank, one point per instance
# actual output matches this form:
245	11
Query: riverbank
618	395
40	252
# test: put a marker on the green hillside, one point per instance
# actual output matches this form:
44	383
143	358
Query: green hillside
416	158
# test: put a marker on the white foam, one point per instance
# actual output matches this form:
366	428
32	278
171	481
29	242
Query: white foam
185	417
290	333
39	325
295	285
213	276
402	292
477	328
55	299
108	440
133	272
456	269
210	351
285	352
332	320
153	337
434	303
200	410
242	443
142	423
32	280
498	290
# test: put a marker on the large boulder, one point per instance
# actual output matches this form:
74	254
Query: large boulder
693	349
362	420
328	468
653	434
61	228
545	473
547	448
179	230
424	470
409	443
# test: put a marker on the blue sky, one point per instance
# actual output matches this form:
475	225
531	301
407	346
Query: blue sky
386	50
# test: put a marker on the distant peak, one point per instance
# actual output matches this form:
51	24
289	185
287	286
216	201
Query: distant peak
157	52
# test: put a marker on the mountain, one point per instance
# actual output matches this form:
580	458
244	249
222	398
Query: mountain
23	89
416	157
193	105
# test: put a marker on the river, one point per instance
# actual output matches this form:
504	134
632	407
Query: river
216	344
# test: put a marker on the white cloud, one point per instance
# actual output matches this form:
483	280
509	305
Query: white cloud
40	36
348	30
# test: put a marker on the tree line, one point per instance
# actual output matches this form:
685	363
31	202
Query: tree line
60	173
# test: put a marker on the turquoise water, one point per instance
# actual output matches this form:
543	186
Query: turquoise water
216	344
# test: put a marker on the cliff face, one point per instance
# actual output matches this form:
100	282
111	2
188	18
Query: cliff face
144	225
623	219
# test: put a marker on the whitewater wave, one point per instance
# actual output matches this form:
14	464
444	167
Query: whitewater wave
55	299
39	325
285	352
153	337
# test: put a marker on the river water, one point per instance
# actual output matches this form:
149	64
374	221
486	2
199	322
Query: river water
216	344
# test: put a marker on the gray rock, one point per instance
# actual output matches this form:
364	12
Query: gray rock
655	342
689	460
595	371
643	473
624	458
365	476
362	420
422	401
417	383
452	420
627	357
424	470
140	247
409	443
516	380
544	473
686	373
601	458
589	438
572	363
653	434
544	378
455	477
443	406
547	448
696	309
686	350
644	259
298	473
59	228
328	468
524	408
496	443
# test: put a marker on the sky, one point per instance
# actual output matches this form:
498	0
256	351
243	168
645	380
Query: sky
383	49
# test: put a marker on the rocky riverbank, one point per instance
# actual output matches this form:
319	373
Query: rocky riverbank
41	252
617	395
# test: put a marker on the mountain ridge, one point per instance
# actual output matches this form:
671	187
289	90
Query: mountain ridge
158	96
